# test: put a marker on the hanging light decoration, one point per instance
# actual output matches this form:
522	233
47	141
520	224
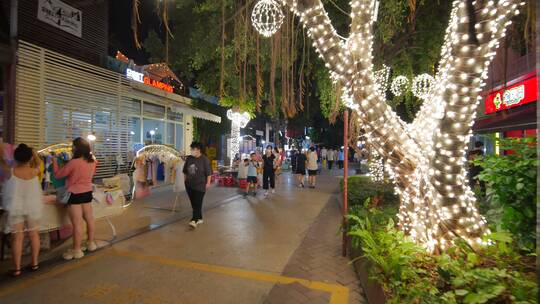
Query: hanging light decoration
399	85
238	121
381	79
422	86
267	17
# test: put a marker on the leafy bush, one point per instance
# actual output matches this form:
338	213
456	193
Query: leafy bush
361	188
408	274
511	189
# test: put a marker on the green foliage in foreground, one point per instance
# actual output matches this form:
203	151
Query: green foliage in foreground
511	188
408	274
362	188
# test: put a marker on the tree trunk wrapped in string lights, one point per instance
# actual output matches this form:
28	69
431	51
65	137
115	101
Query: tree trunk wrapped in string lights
427	156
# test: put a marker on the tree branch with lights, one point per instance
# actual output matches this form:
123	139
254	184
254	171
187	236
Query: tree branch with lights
427	157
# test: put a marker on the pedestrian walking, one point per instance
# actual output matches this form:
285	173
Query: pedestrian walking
252	180
79	173
301	160
330	156
324	157
294	155
269	170
341	158
312	166
475	170
23	203
198	178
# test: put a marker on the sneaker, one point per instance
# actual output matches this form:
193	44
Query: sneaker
193	224
72	254
266	193
92	246
198	222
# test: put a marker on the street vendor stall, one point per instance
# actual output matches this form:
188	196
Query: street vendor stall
109	199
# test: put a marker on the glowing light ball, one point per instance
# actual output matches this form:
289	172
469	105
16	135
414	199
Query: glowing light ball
422	85
267	17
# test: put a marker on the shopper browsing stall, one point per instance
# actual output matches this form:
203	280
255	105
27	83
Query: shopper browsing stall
198	176
23	202
79	173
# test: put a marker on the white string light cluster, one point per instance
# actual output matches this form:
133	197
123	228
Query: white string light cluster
381	79
238	121
267	17
422	86
376	167
427	157
400	85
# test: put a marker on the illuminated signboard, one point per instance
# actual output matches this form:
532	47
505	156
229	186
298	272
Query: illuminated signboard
515	95
158	84
139	77
134	75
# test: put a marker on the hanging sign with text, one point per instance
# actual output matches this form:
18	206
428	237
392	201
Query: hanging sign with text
60	15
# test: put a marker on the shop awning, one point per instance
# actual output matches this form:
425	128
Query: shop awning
189	110
520	118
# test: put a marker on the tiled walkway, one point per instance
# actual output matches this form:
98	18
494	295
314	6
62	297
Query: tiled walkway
319	259
284	248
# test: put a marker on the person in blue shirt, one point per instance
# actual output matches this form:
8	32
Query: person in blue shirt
341	158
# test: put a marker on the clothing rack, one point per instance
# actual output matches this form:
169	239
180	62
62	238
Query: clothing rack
164	153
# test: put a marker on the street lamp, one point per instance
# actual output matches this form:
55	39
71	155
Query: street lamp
238	121
152	133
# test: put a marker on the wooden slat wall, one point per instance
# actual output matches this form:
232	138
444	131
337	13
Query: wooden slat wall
93	45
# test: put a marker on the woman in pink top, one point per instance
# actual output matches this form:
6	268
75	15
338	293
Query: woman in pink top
79	172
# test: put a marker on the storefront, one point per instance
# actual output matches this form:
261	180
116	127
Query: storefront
60	98
509	111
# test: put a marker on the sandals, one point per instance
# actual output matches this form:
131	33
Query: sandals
34	268
16	273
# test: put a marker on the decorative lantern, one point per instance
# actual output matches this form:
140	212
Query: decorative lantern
422	85
399	85
267	17
238	121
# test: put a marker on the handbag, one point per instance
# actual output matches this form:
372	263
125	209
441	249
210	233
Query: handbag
62	195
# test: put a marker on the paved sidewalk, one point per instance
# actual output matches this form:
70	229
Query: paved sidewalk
319	258
284	248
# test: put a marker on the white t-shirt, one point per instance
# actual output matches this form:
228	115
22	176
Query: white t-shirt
312	161
324	153
330	155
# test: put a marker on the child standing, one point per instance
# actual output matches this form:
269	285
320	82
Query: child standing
23	202
252	173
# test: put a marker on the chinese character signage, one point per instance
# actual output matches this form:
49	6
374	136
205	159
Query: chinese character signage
515	95
60	15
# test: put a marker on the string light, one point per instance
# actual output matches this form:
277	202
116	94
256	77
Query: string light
400	84
381	79
427	156
267	17
238	121
422	86
376	167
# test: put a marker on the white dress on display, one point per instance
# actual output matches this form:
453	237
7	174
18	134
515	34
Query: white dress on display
179	185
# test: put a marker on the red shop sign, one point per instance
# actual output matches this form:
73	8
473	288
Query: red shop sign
158	84
515	95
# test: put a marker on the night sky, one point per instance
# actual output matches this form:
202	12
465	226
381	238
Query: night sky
120	34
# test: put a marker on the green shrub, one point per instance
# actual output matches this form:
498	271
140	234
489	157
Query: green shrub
361	188
511	189
408	274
